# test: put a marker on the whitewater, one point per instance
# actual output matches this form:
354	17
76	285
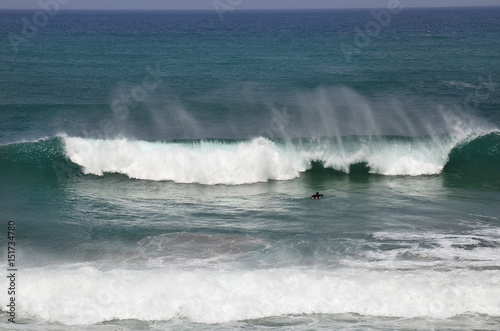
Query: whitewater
260	159
211	296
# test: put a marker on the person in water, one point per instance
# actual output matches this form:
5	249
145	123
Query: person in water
316	196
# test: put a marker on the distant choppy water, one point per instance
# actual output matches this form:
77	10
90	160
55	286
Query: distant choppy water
159	169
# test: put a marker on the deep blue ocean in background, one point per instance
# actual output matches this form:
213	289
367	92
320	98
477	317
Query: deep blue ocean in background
159	168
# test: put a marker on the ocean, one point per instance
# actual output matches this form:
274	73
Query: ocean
157	168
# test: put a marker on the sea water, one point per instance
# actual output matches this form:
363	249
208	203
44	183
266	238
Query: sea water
159	168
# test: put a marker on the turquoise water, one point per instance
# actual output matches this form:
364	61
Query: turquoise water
159	169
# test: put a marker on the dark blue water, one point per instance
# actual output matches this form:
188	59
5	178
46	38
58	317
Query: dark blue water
159	168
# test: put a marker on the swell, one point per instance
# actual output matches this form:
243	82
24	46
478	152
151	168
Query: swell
234	162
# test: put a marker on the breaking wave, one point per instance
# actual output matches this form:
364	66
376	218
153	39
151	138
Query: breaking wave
234	162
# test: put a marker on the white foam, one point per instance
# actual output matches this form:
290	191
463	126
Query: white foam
395	158
258	160
478	249
461	83
86	295
207	162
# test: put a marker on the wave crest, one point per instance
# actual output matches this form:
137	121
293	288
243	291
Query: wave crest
260	159
234	162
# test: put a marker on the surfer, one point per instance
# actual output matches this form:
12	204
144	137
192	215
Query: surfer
316	196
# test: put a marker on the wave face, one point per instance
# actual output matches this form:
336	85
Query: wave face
234	162
43	160
476	159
